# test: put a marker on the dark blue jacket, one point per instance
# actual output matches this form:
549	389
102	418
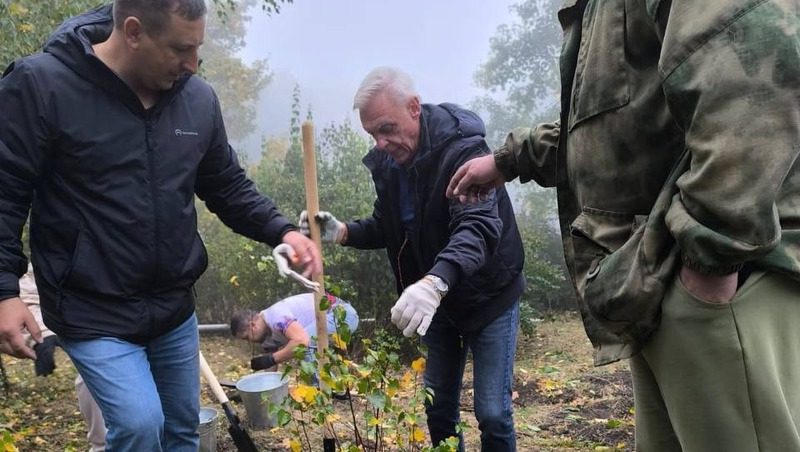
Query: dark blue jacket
476	248
111	188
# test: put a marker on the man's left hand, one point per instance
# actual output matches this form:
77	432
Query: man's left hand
712	289
307	255
415	308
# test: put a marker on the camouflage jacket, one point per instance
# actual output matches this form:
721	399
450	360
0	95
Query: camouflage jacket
642	80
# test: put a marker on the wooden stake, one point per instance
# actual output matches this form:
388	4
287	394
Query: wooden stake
312	207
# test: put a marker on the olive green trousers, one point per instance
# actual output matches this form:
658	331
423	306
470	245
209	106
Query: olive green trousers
722	377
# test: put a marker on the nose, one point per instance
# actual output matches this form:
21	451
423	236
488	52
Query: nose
381	142
191	63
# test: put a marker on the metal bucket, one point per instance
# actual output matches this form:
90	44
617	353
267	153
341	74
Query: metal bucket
208	429
257	391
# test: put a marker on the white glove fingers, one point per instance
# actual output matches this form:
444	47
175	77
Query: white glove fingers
397	310
303	223
423	326
408	331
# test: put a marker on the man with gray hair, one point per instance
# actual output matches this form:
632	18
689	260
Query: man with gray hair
106	137
458	267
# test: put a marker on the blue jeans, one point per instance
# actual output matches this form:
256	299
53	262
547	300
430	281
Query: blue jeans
493	350
149	393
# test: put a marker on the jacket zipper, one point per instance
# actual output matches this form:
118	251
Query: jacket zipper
153	193
399	267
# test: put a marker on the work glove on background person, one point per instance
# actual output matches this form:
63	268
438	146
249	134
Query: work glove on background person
333	230
262	362
416	306
45	362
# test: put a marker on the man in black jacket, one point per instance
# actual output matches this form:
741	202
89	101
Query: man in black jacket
106	137
468	258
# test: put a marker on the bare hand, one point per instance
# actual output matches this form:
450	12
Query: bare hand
308	257
713	289
475	179
14	319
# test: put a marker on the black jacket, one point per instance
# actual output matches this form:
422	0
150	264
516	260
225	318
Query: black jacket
475	248
112	189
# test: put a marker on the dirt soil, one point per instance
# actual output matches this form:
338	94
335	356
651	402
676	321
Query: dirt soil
561	402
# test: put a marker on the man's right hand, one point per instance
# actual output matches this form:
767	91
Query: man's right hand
15	317
333	230
262	362
475	179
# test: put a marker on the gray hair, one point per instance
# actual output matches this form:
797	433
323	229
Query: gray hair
392	81
154	14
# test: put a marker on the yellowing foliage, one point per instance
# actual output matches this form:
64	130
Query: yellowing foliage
303	393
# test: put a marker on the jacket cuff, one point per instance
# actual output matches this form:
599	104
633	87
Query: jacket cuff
450	273
709	270
9	285
283	228
506	162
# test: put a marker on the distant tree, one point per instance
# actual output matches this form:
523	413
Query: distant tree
25	25
521	73
237	83
268	6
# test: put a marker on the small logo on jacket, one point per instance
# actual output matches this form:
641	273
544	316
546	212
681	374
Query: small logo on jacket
182	133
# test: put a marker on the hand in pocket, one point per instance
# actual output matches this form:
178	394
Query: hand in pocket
710	288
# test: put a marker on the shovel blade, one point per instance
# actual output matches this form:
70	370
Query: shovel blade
241	439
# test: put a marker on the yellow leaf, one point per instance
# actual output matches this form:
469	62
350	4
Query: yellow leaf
234	281
374	421
418	365
304	393
417	435
16	9
338	342
11	448
25	28
294	445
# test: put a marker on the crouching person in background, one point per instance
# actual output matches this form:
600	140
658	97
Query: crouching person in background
289	322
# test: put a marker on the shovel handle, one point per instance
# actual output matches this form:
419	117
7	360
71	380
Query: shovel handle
213	383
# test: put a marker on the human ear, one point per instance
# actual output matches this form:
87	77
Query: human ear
133	31
414	107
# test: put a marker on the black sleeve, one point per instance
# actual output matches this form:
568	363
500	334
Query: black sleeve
24	144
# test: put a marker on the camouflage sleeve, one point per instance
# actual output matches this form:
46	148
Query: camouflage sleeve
731	79
530	153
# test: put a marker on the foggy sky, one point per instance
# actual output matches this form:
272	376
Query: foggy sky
328	46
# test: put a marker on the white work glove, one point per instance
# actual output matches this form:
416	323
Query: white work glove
332	229
415	308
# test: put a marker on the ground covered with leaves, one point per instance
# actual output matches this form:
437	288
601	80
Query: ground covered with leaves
561	402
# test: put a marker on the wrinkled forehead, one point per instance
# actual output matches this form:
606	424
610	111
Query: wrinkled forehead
380	110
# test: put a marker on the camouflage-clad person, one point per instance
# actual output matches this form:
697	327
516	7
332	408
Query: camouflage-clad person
693	273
